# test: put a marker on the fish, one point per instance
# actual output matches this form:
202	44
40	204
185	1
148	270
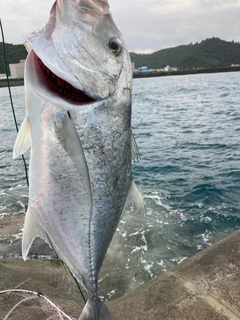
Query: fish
78	95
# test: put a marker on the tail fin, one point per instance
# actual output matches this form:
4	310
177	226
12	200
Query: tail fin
93	312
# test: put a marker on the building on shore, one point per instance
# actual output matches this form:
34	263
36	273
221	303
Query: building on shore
167	68
3	76
17	69
144	69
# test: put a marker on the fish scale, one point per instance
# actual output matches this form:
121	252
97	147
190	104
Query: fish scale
81	145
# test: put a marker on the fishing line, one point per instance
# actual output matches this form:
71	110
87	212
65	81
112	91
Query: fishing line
35	295
10	96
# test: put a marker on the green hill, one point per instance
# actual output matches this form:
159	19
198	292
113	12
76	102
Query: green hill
210	53
14	53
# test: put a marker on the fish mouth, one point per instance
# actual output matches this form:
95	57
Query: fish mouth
61	87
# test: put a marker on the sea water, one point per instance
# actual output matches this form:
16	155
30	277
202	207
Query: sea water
188	132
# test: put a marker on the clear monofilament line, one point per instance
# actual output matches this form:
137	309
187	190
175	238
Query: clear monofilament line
36	295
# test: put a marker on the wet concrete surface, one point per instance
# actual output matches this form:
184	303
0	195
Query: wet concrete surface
205	286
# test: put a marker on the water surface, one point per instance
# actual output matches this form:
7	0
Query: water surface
187	129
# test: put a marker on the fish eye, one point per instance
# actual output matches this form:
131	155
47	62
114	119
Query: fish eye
114	47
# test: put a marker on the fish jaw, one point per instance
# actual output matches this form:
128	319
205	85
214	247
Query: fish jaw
75	46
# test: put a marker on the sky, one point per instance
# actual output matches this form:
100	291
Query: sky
147	25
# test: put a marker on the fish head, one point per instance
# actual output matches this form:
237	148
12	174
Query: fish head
82	47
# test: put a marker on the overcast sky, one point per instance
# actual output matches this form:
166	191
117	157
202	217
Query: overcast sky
147	25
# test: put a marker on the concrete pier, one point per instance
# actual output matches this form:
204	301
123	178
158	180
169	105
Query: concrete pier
203	287
13	83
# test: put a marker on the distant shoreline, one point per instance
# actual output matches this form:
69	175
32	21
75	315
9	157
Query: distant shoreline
183	72
20	82
13	83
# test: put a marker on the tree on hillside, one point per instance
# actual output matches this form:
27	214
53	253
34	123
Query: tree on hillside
209	53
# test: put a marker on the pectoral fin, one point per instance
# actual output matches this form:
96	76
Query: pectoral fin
68	138
27	46
23	141
31	230
135	151
134	199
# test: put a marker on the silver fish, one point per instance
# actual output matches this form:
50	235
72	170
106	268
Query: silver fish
78	88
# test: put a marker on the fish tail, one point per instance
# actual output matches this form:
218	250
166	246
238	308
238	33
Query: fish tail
103	312
91	312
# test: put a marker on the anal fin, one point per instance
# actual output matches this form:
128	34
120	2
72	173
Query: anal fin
31	230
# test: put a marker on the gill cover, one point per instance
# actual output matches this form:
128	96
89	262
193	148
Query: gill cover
75	45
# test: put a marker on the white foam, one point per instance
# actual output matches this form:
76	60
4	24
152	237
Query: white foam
178	260
136	249
110	294
147	267
123	234
157	199
162	264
